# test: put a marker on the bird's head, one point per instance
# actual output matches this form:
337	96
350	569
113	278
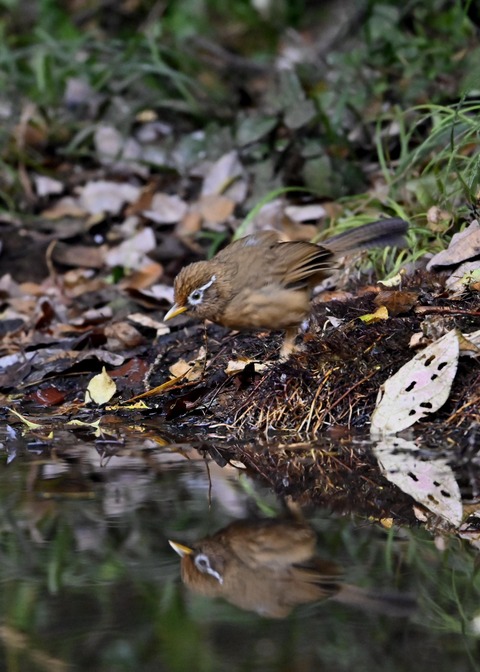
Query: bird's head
198	292
202	567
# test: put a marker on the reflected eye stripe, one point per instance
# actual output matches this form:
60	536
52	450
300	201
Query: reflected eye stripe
202	563
200	291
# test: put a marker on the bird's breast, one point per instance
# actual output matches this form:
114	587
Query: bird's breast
272	307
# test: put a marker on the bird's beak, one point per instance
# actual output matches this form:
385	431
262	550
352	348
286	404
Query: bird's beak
180	548
174	311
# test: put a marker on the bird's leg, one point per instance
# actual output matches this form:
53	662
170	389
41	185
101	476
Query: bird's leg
288	345
205	341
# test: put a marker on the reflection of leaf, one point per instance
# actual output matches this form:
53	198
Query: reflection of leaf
28	423
431	482
419	388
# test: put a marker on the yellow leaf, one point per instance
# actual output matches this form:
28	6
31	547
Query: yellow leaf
380	314
100	389
28	423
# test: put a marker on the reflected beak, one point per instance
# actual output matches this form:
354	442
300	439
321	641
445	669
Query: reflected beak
180	548
174	311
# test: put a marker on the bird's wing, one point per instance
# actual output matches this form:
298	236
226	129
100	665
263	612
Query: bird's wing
265	239
302	264
271	544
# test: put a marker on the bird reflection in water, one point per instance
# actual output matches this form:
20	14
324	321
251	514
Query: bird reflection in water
270	567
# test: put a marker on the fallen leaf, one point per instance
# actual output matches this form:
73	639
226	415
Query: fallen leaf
419	388
380	314
150	323
191	370
47	396
26	422
46	186
396	302
463	246
65	207
235	366
438	219
79	255
166	209
226	176
464	278
107	197
143	277
121	336
305	213
190	224
108	143
101	389
395	281
215	208
470	344
131	253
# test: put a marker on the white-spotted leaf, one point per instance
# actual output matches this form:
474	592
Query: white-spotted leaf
431	482
419	388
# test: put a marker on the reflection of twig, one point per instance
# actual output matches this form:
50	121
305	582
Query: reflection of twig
14	639
217	56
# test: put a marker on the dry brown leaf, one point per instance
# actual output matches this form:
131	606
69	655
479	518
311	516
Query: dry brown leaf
396	302
148	322
215	209
463	246
143	277
188	370
122	336
190	224
79	255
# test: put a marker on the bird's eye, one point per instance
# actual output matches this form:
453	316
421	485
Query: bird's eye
196	296
202	563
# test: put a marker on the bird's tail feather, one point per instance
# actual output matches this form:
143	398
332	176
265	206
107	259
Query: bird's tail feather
390	231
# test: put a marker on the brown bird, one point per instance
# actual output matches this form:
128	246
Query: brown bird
260	282
270	567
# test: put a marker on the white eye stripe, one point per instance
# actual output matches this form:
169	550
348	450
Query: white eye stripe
202	563
196	296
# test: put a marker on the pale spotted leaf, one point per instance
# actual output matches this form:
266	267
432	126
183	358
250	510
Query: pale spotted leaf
419	388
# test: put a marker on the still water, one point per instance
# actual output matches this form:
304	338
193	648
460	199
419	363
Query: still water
91	582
